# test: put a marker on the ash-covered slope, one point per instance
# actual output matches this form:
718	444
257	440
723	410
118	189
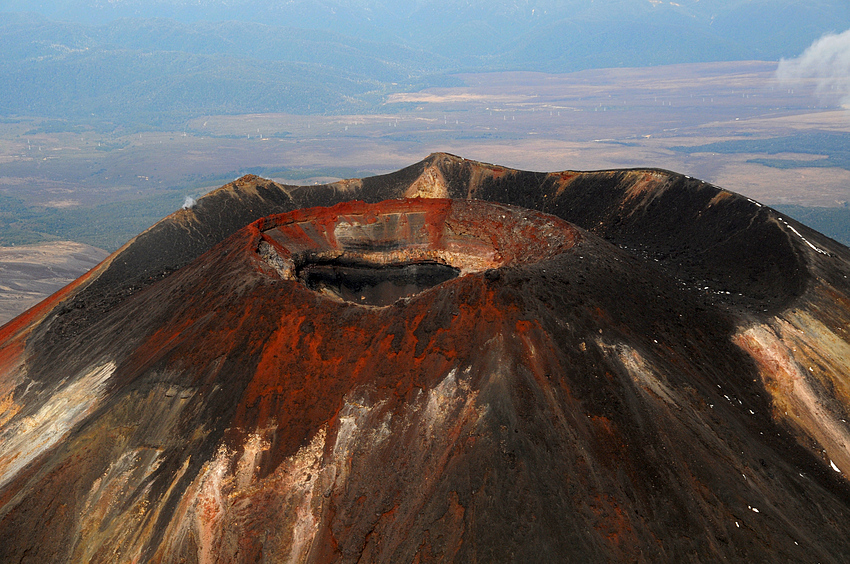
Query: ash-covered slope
663	378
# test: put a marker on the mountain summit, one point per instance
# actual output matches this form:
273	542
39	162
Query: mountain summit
453	362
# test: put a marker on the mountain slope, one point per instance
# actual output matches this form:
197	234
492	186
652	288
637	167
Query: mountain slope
662	378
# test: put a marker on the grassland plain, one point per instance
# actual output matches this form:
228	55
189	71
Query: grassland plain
732	124
30	273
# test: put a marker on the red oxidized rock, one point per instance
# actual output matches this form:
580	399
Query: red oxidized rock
416	380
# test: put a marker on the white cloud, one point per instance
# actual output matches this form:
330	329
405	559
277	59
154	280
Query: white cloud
189	203
827	62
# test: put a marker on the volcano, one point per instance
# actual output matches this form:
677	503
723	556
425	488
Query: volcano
455	362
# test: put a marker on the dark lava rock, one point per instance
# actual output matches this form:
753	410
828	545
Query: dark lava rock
605	366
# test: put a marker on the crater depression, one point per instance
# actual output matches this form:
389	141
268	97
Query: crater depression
374	254
455	362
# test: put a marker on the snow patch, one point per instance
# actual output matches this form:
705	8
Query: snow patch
806	241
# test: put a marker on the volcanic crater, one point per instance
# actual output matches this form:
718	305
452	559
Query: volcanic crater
607	366
375	254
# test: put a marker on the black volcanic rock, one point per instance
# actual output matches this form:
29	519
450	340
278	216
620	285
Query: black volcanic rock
605	366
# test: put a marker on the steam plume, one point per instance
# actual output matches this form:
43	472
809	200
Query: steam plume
827	61
189	203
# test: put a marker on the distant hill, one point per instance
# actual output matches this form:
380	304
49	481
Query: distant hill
160	72
158	62
716	29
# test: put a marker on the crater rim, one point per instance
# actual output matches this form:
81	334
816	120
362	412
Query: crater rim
408	243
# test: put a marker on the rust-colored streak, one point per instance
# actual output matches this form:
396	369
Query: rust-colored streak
309	364
10	354
18	327
469	236
553	398
563	180
613	525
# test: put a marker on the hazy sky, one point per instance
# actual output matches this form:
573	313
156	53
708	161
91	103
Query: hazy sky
656	31
307	56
